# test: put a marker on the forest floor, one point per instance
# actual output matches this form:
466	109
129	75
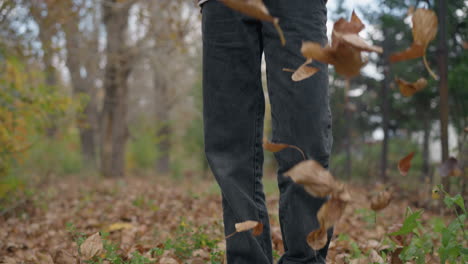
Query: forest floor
166	221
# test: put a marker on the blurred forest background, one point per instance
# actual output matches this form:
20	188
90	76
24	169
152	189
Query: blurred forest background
112	88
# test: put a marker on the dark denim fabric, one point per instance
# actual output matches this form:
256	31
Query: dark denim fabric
233	122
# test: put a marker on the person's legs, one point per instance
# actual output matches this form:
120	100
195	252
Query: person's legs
233	111
300	116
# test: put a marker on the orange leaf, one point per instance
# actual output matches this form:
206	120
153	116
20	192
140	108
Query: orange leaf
273	147
317	239
408	89
304	71
413	52
258	10
316	180
331	212
405	164
252	8
424	31
249	224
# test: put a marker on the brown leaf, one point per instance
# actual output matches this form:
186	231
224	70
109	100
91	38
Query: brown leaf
256	9
331	212
354	26
395	256
405	164
249	224
450	168
304	71
316	180
374	257
252	8
381	200
168	260
424	31
408	89
44	258
357	42
346	58
258	229
63	257
274	147
92	247
317	239
465	45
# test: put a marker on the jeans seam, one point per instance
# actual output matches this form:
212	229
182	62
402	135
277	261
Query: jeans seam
256	172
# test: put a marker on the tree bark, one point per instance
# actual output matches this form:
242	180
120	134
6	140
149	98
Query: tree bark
385	110
162	119
114	112
443	83
83	85
426	137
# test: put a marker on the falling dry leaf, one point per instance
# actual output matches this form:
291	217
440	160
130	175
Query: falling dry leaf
249	224
405	164
345	51
255	9
331	212
381	200
408	89
304	71
317	239
450	168
273	147
424	31
91	247
316	180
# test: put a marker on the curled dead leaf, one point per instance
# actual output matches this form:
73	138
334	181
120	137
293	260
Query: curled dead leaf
304	71
274	147
381	200
317	239
256	9
424	31
249	224
408	89
331	212
316	180
345	51
405	164
91	247
450	168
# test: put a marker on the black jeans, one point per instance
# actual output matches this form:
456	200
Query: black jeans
233	114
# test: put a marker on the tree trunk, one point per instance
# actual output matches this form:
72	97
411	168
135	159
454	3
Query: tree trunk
87	121
385	110
114	112
426	137
162	119
443	84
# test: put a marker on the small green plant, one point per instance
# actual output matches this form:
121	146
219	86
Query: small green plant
449	241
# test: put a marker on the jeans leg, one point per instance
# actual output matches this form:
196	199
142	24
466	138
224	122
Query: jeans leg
300	116
233	111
